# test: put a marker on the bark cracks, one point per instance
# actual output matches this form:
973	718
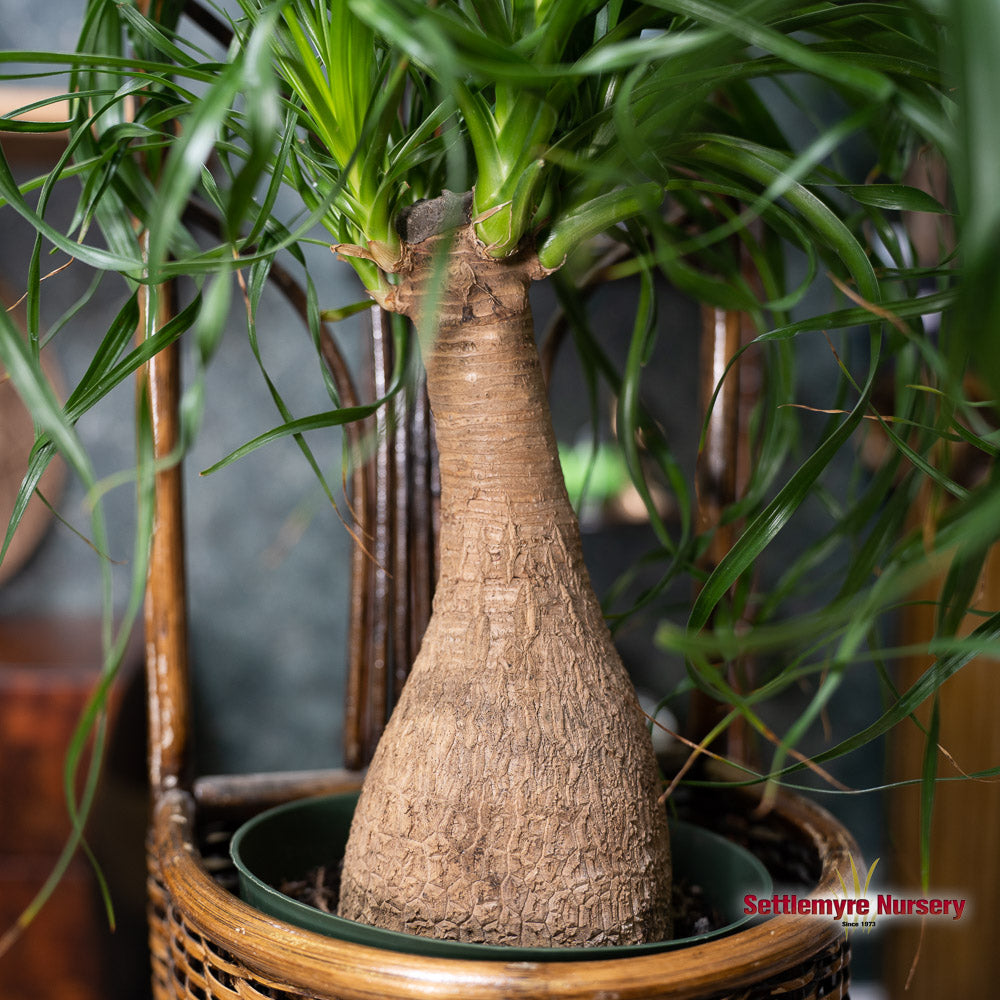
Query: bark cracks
512	798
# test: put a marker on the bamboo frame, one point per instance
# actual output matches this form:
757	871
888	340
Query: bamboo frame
167	676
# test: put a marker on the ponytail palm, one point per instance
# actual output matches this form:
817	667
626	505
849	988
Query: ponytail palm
455	152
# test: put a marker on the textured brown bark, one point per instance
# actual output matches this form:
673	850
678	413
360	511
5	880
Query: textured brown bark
512	798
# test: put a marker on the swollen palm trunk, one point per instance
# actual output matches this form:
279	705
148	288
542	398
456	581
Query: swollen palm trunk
512	797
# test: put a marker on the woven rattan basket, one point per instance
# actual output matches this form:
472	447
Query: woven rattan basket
209	945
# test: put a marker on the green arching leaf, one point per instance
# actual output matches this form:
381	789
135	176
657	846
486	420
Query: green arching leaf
593	217
343	312
11	123
555	20
629	410
872	85
482	132
843	318
279	402
770	521
771	168
722	293
119	336
302	425
791	170
155	38
953	655
39	459
264	211
329	60
183	167
493	18
897	197
39	397
961	584
92	256
263	119
113	63
442	40
625	54
380	198
212	316
974	57
928	786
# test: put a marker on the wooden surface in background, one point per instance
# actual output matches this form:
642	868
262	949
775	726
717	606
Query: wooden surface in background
957	958
33	148
48	669
62	954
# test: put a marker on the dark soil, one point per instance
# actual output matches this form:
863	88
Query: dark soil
320	888
692	913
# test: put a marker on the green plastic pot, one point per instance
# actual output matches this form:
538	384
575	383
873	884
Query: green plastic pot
290	840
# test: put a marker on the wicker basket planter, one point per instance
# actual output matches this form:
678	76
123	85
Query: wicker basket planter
207	943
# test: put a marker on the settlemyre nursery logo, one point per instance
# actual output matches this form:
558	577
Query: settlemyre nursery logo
858	907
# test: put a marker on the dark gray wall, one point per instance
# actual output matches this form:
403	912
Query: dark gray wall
267	553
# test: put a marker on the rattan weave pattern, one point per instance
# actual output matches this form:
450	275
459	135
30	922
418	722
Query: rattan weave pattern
188	967
208	945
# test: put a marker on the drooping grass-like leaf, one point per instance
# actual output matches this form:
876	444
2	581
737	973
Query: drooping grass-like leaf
928	787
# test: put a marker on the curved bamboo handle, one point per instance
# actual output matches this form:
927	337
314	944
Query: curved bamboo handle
167	680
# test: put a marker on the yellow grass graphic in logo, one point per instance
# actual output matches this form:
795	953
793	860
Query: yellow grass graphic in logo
859	892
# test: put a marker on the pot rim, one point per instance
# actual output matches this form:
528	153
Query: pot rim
745	872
